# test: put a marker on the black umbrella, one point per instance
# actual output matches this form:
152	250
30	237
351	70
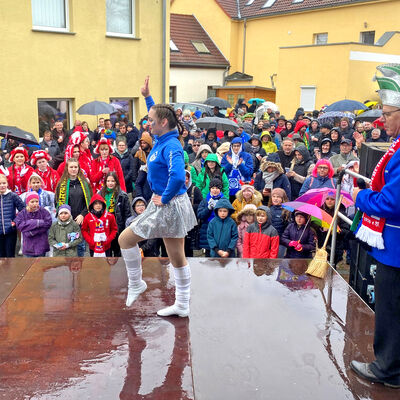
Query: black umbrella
217	102
96	108
19	135
220	124
370	115
346	105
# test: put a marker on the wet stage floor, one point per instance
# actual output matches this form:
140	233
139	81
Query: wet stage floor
257	330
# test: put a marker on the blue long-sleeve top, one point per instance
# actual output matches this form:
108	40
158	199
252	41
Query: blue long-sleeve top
386	204
149	102
166	167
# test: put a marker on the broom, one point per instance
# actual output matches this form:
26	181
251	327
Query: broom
319	265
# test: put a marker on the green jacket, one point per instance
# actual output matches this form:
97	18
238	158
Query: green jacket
58	233
204	186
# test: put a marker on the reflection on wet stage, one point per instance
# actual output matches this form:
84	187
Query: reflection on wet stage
258	329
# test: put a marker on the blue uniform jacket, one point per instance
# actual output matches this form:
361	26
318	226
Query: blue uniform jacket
386	204
166	167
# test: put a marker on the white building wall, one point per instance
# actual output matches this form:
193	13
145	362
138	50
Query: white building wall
191	83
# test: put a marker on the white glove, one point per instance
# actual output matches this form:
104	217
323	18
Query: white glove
5	171
211	204
24	170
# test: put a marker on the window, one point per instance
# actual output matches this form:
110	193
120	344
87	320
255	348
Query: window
320	38
307	97
53	110
268	4
172	94
211	92
123	109
173	46
200	47
250	2
50	15
367	37
297	1
120	16
231	99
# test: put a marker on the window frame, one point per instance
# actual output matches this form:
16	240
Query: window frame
51	28
362	36
315	37
132	35
303	96
70	121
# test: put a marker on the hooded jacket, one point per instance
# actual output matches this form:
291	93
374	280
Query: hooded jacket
294	232
302	169
126	161
239	203
317	182
222	234
261	241
90	221
256	151
203	182
140	157
270	146
63	232
98	177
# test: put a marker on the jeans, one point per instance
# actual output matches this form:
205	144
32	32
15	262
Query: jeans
81	248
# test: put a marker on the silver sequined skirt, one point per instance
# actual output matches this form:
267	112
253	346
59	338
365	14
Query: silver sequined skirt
173	220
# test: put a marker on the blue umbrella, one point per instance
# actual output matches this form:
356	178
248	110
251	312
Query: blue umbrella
259	101
329	117
96	108
346	105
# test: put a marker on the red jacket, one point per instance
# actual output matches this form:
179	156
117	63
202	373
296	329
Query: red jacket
22	187
89	225
261	241
50	178
97	177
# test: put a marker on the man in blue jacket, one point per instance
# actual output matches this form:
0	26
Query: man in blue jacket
380	228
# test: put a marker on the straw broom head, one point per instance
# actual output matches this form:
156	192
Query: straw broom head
319	264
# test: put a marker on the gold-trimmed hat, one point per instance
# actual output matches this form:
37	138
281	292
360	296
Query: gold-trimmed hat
389	84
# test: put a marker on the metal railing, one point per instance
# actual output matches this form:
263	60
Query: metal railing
341	216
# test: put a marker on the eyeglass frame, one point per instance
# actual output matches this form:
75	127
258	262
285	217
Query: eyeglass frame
389	113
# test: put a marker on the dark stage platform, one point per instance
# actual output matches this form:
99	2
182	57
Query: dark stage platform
259	332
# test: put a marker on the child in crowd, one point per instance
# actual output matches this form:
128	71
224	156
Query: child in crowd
10	203
245	218
299	238
205	212
49	145
280	217
261	239
222	233
99	228
46	198
50	177
65	234
149	247
34	222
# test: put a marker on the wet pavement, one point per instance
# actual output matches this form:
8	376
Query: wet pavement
257	330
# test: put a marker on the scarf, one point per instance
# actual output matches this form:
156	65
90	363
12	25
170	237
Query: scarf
103	164
17	179
110	200
371	228
269	178
236	157
99	236
63	196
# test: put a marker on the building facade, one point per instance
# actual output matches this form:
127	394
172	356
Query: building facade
60	54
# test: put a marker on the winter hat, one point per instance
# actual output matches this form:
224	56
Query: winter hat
248	209
69	152
78	129
19	150
279	192
77	137
187	113
65	208
30	196
38	155
301	213
247	186
35	175
197	114
103	141
216	182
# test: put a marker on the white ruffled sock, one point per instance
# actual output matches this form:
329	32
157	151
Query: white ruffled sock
182	294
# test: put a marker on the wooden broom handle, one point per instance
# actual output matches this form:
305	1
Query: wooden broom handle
333	219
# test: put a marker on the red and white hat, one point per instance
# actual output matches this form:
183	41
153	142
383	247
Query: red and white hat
39	154
19	150
103	141
69	151
77	137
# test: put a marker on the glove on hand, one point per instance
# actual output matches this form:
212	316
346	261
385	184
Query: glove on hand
293	243
299	247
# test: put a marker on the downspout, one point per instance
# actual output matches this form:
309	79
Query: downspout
164	50
244	44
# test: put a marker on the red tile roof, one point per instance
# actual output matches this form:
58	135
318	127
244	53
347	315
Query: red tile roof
278	7
184	30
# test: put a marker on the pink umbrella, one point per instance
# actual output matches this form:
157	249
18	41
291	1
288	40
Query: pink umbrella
309	209
318	197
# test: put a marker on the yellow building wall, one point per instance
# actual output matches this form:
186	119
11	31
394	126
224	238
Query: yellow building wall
83	66
335	78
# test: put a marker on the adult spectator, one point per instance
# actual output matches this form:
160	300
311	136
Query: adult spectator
286	154
324	150
140	157
49	145
344	157
129	136
376	136
281	121
62	138
321	177
336	138
217	113
198	164
346	130
256	151
211	139
126	160
289	126
193	149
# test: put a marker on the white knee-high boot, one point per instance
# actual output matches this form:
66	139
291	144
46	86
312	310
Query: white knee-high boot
133	263
182	294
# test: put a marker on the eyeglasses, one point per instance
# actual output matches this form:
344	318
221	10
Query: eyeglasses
195	145
320	167
389	113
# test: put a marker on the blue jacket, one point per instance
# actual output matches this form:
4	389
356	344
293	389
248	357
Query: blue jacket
386	204
166	167
316	182
9	203
277	219
222	234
